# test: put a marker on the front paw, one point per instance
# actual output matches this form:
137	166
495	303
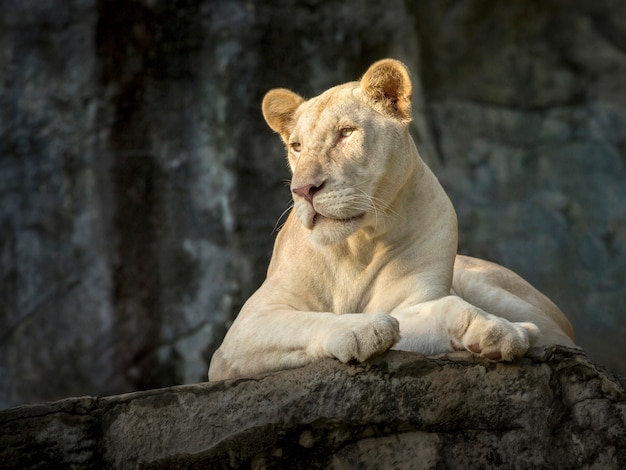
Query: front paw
496	338
359	336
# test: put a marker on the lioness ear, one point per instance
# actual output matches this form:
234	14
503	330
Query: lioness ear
387	85
279	107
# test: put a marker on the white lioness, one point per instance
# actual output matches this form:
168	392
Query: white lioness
367	258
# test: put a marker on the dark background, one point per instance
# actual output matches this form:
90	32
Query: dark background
140	186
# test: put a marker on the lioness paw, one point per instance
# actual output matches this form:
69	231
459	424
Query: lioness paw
360	336
496	338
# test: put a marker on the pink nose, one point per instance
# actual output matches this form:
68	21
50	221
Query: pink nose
308	191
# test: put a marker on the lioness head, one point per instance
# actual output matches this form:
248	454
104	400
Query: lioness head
348	149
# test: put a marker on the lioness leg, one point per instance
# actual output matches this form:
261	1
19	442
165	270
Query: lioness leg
502	292
282	339
450	323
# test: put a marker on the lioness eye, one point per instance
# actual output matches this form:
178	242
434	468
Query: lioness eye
346	131
295	146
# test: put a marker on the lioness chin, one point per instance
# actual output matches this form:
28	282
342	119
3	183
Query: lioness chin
367	258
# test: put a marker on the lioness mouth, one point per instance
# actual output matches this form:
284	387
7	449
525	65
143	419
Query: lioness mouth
318	217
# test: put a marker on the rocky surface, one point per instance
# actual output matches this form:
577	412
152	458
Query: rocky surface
140	187
552	409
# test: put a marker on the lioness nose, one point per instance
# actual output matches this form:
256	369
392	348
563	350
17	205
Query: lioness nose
308	191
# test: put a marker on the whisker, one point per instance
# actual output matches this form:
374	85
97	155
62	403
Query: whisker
378	207
277	227
387	210
371	203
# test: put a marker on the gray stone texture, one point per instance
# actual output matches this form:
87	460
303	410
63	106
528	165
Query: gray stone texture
552	409
140	187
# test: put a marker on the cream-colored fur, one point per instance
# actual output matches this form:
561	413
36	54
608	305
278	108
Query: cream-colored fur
367	258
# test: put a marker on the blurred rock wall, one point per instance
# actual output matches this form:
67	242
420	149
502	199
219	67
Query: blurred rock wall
140	187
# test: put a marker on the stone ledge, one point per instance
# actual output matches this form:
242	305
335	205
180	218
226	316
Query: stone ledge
553	408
